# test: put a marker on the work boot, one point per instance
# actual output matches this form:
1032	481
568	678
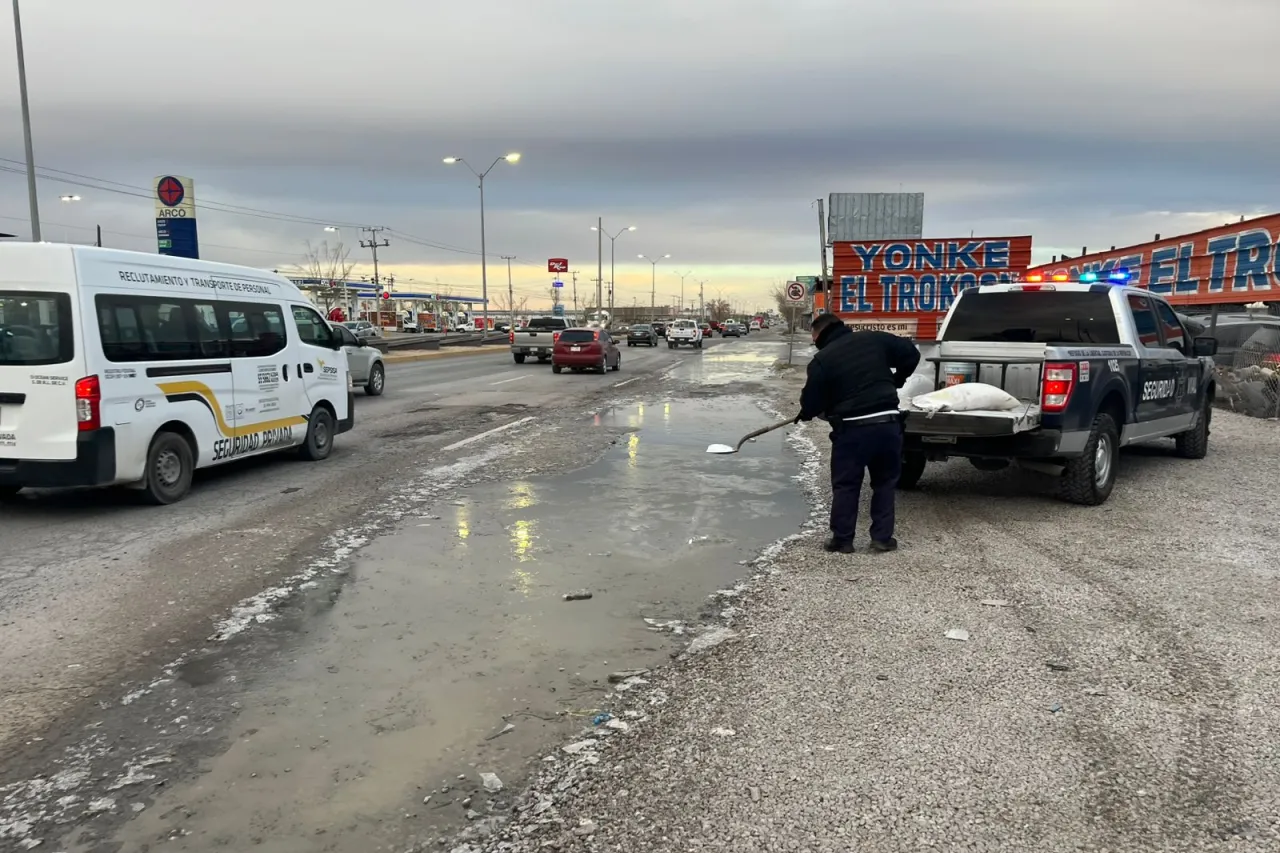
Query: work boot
838	546
889	544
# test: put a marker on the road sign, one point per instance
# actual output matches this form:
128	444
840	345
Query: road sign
557	265
557	283
557	310
796	292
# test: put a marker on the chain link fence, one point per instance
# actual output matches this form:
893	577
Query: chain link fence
1248	367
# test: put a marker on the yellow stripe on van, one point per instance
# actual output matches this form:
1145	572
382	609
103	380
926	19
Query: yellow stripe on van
199	389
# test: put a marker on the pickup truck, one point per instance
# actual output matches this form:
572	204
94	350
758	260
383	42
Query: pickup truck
684	332
538	338
1096	366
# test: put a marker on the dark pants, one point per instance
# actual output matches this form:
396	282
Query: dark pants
877	449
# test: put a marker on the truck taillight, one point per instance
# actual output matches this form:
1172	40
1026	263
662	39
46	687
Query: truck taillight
1059	381
555	337
512	336
88	403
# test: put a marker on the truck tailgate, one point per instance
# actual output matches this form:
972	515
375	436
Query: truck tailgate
947	425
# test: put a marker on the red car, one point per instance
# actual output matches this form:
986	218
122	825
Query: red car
586	349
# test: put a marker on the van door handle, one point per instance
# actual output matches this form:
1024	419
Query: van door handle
284	369
309	367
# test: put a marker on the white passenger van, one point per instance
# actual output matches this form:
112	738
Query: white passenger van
130	368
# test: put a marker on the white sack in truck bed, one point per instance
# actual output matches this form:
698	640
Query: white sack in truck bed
915	385
966	397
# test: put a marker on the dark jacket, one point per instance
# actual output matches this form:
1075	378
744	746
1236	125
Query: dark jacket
856	373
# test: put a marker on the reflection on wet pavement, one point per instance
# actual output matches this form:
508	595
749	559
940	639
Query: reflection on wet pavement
456	625
741	361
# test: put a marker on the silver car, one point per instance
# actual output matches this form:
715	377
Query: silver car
364	362
363	329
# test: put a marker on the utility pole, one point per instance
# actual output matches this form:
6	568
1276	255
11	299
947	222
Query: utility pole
98	243
599	265
822	246
26	126
574	273
372	243
511	294
702	300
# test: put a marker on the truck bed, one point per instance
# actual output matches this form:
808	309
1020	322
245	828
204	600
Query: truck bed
979	424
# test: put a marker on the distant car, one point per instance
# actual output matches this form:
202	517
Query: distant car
364	362
660	328
732	330
706	330
685	332
585	349
642	333
755	325
363	329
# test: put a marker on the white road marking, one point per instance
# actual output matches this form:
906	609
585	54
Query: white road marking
487	433
627	381
505	381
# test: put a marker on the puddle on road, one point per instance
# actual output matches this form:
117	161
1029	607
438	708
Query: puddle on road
456	625
731	363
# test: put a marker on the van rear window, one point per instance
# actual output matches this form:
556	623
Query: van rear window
35	328
1033	317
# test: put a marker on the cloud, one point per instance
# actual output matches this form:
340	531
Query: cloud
711	125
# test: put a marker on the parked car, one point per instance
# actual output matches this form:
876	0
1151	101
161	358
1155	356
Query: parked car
363	329
364	362
642	333
586	349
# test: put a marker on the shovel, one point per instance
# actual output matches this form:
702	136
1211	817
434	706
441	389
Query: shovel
724	448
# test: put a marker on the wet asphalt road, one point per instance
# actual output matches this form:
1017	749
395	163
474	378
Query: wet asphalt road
98	594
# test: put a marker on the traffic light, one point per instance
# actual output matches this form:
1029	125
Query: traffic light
386	295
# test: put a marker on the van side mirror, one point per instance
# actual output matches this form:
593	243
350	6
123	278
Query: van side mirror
335	339
1204	346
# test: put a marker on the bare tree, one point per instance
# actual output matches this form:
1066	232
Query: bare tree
718	310
332	266
502	303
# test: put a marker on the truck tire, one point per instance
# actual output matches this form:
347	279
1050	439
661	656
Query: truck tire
1088	478
1194	443
671	344
170	467
519	357
913	463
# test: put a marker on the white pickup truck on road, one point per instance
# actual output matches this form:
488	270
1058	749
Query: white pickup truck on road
684	332
538	338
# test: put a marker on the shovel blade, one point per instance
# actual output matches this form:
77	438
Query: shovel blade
720	448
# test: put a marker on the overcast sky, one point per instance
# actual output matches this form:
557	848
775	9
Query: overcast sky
711	125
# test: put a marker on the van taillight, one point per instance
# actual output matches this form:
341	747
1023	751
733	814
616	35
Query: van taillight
88	403
1055	390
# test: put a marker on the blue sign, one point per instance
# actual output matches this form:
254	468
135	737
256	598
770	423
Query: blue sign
557	310
178	237
557	283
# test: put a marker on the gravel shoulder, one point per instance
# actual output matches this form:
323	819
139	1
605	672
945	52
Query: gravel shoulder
1117	690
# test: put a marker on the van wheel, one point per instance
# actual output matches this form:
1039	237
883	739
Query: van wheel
519	357
377	381
913	464
319	442
1088	478
169	470
7	492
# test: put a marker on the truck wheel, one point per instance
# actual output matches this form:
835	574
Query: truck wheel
1088	478
1194	443
170	466
913	463
319	441
377	381
7	492
519	357
671	344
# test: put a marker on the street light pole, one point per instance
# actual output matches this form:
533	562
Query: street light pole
702	299
683	276
26	126
513	157
613	249
68	199
653	286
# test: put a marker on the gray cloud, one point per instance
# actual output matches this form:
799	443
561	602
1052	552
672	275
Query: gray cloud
711	125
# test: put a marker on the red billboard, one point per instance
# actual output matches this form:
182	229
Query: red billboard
1233	263
906	286
557	264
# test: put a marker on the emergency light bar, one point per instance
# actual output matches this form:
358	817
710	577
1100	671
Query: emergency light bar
1120	275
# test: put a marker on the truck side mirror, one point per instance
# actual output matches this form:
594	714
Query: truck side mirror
1204	346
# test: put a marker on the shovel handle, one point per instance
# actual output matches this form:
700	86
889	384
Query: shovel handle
761	432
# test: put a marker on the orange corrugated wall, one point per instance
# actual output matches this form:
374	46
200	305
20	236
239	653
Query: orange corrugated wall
1233	263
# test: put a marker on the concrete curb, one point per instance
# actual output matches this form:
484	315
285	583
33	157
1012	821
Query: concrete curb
452	352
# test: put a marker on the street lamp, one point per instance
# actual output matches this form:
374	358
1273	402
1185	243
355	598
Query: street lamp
68	199
513	157
702	301
653	285
683	276
26	126
613	240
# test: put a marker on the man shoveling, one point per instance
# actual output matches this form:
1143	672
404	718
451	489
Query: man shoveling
853	384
